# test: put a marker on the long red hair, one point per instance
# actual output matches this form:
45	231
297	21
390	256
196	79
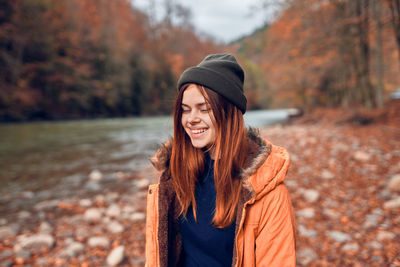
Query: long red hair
187	162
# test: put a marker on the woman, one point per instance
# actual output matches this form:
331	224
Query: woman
220	200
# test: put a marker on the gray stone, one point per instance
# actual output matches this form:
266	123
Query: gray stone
7	232
99	241
115	227
116	256
354	247
394	183
113	211
74	249
339	236
372	219
137	216
95	175
45	228
307	213
92	215
34	242
332	214
305	256
327	175
392	204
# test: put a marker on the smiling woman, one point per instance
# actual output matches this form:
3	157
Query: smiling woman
220	200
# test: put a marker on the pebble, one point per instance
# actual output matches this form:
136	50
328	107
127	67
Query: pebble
85	203
99	241
47	204
142	184
92	215
137	216
115	227
353	247
24	215
327	175
372	219
113	211
6	232
385	235
74	249
92	186
116	256
310	195
307	213
339	236
332	214
362	156
305	256
34	242
392	204
95	175
305	232
375	245
45	228
394	183
6	254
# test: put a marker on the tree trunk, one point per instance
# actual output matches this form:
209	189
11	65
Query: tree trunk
377	8
395	11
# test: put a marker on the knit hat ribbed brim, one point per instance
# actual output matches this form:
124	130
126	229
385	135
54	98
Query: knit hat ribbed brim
220	73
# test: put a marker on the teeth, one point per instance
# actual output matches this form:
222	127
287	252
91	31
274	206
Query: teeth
199	131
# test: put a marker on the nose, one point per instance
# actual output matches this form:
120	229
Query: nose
193	117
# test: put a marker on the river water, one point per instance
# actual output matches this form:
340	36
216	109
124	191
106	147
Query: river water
41	155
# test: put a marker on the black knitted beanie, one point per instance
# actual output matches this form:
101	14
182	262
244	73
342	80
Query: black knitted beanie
222	74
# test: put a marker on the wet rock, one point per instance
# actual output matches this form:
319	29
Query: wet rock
392	204
310	195
114	211
339	236
115	227
385	235
47	204
95	175
137	216
74	249
116	256
92	215
305	256
34	242
351	247
7	232
394	183
362	156
45	228
307	213
99	241
85	203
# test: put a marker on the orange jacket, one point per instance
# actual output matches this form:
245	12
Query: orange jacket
265	225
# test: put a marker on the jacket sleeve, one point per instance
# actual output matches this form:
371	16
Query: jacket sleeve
275	241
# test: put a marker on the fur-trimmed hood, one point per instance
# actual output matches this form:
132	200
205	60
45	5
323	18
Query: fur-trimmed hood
265	165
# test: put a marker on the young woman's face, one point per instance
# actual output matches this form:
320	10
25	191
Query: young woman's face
197	118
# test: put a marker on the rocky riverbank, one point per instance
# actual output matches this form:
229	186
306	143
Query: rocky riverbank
344	182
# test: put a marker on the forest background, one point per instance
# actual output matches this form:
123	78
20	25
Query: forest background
75	59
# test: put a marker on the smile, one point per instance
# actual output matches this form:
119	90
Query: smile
198	131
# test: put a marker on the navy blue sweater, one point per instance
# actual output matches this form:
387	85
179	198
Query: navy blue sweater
204	244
